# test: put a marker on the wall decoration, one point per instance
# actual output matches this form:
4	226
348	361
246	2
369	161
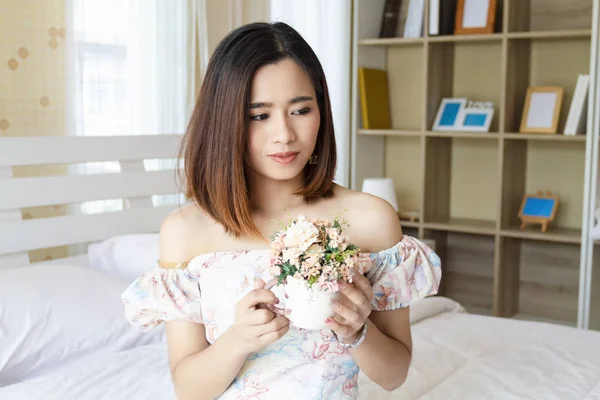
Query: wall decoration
449	114
538	209
475	17
477	116
541	109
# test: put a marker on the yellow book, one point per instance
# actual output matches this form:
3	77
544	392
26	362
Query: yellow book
374	98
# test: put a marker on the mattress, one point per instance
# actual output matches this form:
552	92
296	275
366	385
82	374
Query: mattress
455	356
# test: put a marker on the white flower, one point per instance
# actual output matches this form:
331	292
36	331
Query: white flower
292	254
301	234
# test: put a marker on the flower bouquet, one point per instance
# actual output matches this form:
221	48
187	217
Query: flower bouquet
310	258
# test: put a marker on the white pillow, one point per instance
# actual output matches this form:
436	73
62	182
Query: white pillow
431	306
54	314
126	256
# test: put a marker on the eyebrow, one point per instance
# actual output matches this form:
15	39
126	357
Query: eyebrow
298	99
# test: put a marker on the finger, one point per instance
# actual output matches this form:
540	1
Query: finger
275	310
339	329
364	285
259	317
258	296
271	326
364	263
259	283
273	336
355	296
269	285
353	317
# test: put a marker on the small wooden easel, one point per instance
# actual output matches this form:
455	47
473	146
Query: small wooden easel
538	209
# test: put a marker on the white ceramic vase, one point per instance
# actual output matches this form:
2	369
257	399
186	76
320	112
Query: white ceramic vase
309	308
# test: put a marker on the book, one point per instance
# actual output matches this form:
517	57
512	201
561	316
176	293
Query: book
447	17
578	110
389	22
434	17
375	98
413	28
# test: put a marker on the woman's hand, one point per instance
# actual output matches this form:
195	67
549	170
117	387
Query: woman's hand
256	326
352	308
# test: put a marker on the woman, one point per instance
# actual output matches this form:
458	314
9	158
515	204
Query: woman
260	148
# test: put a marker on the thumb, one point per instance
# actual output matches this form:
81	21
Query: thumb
259	283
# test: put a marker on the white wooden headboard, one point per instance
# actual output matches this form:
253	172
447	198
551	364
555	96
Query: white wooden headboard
133	184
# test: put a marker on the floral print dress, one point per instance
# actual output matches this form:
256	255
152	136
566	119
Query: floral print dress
303	364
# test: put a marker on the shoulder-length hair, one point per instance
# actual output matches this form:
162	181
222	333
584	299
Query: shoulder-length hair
215	144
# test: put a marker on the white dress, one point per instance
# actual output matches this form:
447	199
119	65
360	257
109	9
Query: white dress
303	364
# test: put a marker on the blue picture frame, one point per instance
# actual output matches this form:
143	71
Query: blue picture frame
538	209
475	119
450	114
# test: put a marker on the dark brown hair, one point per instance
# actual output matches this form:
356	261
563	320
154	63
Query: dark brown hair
215	144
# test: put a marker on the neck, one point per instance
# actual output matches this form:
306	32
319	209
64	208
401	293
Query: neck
271	198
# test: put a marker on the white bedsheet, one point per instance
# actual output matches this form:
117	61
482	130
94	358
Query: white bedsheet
456	356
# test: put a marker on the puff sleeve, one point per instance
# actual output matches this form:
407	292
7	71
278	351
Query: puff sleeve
162	295
403	274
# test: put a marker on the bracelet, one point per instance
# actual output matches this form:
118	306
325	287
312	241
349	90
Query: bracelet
357	342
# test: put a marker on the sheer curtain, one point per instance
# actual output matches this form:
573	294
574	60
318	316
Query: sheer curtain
133	69
326	26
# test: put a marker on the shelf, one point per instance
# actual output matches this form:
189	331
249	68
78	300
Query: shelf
388	132
409	224
465	135
464	225
544	136
539	35
576	33
466	38
395	41
554	234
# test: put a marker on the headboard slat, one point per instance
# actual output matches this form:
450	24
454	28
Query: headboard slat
46	150
41	191
40	233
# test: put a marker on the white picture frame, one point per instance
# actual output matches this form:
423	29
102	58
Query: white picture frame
476	119
449	114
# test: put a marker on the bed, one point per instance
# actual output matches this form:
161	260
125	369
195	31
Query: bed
62	325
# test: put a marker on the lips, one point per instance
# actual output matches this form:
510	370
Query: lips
284	158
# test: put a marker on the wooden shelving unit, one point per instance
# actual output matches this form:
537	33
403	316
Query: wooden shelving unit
467	187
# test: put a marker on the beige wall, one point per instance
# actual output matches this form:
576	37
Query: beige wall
225	15
32	83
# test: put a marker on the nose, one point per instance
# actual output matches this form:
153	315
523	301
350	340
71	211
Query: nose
283	131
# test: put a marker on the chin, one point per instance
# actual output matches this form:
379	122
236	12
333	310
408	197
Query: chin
283	174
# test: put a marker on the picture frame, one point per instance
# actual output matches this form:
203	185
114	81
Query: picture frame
475	17
541	110
476	117
538	209
449	114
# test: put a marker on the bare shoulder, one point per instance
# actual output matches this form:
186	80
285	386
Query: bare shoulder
184	233
373	223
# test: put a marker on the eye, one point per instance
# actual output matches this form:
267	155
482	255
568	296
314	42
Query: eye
259	117
302	111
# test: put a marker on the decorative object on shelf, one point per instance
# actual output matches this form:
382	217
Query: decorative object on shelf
541	109
412	216
413	28
442	15
389	21
477	116
383	188
578	111
449	113
538	209
475	17
374	98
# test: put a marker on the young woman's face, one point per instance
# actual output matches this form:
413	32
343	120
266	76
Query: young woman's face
284	121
